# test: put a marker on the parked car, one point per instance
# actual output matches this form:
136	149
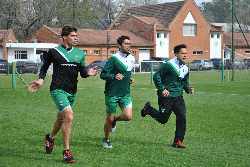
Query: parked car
247	63
3	66
216	63
27	67
201	65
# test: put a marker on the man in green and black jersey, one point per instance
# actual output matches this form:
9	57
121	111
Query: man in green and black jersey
170	80
117	74
67	62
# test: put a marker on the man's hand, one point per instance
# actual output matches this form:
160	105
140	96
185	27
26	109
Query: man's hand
165	92
35	85
92	71
119	76
191	90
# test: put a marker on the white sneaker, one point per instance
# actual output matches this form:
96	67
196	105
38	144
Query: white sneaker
106	143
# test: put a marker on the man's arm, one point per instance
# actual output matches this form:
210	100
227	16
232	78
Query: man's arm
37	84
188	89
47	60
106	73
157	78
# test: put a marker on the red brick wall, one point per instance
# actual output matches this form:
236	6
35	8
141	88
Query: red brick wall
199	42
103	53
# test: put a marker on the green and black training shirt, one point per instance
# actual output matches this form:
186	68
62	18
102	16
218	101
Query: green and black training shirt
67	62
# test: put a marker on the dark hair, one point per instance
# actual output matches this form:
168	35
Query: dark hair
66	30
178	48
121	39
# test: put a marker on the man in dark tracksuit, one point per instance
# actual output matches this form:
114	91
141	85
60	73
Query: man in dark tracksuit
170	80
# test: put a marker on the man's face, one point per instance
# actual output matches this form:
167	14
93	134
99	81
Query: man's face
125	47
183	55
71	39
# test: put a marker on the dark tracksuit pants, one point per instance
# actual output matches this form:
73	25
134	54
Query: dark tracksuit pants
167	105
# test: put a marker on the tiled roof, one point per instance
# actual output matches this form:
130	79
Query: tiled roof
3	35
99	37
164	12
151	21
215	28
239	40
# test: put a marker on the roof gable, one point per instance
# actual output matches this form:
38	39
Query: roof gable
164	12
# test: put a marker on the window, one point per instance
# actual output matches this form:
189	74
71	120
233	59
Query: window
189	30
112	52
158	35
21	54
218	35
133	52
212	35
85	51
199	52
97	52
247	51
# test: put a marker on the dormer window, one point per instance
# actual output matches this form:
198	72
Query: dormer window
189	26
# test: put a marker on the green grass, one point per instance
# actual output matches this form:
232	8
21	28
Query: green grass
218	128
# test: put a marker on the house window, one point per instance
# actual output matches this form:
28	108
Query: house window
112	52
247	51
189	30
133	52
158	35
197	52
218	35
21	54
85	51
97	52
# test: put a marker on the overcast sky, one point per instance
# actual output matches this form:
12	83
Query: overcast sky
197	1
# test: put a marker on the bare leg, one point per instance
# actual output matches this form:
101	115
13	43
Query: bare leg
58	124
126	115
66	126
108	125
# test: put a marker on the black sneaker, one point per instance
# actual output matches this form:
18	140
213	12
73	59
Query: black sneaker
113	126
48	144
145	110
68	156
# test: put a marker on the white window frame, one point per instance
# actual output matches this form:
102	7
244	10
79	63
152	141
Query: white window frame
21	54
189	29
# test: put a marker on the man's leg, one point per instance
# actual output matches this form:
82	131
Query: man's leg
161	116
180	112
66	126
57	124
125	104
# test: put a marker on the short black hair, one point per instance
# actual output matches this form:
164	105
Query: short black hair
66	30
121	39
178	48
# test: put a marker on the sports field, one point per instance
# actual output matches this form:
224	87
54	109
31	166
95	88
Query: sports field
218	132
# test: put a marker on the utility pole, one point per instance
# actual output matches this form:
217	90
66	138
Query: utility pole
73	13
108	40
232	43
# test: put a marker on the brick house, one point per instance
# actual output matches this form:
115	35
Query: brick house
97	44
6	36
169	24
242	50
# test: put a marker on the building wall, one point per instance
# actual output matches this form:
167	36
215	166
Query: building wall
47	36
92	56
200	42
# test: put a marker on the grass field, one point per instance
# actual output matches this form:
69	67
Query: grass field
218	129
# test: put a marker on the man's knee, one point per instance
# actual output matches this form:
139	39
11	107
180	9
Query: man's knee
68	115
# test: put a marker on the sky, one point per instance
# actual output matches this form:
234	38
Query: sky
197	1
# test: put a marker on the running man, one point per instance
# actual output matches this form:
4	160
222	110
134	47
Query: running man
67	61
170	80
117	74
